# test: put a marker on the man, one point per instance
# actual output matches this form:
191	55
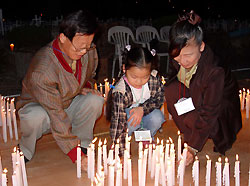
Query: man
201	96
54	94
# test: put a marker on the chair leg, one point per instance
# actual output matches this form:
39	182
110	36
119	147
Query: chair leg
113	66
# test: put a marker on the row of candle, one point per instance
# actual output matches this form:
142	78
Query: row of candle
8	117
19	176
245	100
159	163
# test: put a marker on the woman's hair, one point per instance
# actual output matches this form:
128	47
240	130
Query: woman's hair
140	57
81	21
179	35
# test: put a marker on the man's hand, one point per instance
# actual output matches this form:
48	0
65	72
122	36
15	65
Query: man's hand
136	115
85	91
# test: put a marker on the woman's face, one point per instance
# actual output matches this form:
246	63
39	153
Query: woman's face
190	54
137	77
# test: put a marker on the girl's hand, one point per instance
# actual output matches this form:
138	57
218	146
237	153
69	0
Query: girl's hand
85	91
190	158
136	115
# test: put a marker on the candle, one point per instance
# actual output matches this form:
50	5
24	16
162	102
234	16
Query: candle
14	179
12	47
247	103
179	145
101	89
243	99
237	171
153	162
218	172
95	86
129	172
15	124
172	157
157	174
4	128
1	167
99	159
9	123
169	173
240	95
195	171
105	157
117	145
144	166
226	178
139	171
162	170
111	174
249	177
185	153
4	177
208	171
106	86
119	175
125	164
180	172
89	161
78	162
24	174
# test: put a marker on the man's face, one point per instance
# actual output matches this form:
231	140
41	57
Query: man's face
190	54
76	48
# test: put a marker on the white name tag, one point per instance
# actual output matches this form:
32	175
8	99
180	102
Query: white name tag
184	106
142	135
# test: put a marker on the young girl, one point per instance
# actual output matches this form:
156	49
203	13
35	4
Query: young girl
137	97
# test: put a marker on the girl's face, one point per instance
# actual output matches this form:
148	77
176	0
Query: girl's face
137	77
190	54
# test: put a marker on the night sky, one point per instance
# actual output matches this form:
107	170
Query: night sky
127	8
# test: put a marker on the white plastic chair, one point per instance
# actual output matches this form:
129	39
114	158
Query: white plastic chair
120	36
164	34
145	34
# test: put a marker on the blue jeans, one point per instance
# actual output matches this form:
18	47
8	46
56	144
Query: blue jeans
152	122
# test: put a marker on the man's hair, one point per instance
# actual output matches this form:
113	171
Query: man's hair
81	21
180	33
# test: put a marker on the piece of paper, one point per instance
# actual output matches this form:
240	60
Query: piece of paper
184	106
144	135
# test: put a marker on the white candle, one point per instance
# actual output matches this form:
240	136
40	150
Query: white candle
101	89
1	168
243	99
139	171
172	157
226	178
125	164
78	162
117	146
14	179
150	155
99	159
247	104
9	123
249	176
89	161
111	175
4	126
105	157
111	154
185	153
92	145
4	177
162	170
166	152
195	171
129	172
153	162
157	174
106	86
24	174
218	172
180	172
169	173
119	175
240	95
14	158
237	171
179	145
15	124
144	166
208	171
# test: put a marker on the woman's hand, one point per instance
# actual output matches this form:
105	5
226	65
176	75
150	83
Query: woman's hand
85	91
190	157
136	115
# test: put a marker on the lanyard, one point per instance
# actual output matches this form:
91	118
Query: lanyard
180	87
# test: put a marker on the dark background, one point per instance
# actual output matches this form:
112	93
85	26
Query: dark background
16	9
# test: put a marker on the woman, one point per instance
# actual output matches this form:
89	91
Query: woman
213	108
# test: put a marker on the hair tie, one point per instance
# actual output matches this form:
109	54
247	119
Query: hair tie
128	47
153	52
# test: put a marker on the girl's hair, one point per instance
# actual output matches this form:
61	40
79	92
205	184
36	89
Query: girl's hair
81	21
139	57
180	33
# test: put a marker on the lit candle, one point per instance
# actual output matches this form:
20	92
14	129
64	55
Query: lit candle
117	146
243	99
226	178
166	153
157	174
247	103
218	172
179	145
185	153
14	158
129	172
144	166
153	162
101	89
105	157
162	170
150	155
4	177
95	86
249	176
111	154
169	173
99	159
139	171
195	171
78	162
92	145
1	168
4	126
180	172
24	174
106	86
240	95
172	157
12	47
15	124
111	174
237	171
9	123
14	179
119	175
125	164
208	171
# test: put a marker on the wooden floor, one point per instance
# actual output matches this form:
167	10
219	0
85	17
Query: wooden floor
50	167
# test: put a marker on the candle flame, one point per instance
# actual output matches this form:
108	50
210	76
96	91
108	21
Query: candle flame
178	132
105	141
158	141
185	145
240	91
14	150
196	158
112	146
117	141
243	89
219	159
129	138
94	140
5	171
167	141
106	79
226	160
170	139
162	142
237	157
100	143
21	153
207	157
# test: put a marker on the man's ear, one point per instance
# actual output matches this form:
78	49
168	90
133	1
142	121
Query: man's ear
202	47
123	68
62	38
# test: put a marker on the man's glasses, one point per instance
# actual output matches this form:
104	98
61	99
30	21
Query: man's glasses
92	47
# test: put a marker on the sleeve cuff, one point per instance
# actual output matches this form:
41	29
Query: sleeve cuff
73	154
